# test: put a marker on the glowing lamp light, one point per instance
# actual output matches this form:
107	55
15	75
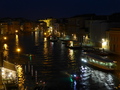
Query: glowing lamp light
9	74
44	33
104	43
3	73
18	50
74	75
4	38
16	31
84	60
45	39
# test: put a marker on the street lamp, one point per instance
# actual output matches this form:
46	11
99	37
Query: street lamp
104	44
16	31
4	38
18	50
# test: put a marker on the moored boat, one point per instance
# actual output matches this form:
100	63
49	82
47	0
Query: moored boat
53	38
99	62
74	45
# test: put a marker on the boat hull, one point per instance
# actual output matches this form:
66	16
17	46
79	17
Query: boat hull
79	47
100	67
99	62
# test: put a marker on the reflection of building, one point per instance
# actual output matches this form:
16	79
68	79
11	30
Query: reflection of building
8	74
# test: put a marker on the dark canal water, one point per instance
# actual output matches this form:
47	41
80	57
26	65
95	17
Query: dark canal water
51	64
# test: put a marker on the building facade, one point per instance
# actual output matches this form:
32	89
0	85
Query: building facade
113	37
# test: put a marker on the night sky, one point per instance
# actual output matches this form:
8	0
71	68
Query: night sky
39	9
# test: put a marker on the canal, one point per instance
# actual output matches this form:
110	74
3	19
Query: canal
50	64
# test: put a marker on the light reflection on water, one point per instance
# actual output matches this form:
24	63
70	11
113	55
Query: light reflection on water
71	54
17	40
97	80
5	51
50	58
21	78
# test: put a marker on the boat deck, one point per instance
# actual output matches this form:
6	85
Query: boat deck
97	57
100	62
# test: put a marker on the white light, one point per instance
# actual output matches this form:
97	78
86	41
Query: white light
104	43
103	40
85	67
84	60
45	39
10	73
3	73
74	75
